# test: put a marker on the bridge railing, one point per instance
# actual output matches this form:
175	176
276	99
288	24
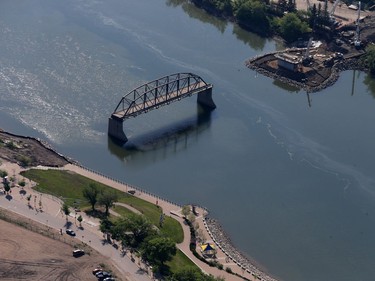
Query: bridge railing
158	92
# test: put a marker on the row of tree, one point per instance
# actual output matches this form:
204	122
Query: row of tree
269	18
135	231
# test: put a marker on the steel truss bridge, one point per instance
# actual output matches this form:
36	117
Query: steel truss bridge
157	93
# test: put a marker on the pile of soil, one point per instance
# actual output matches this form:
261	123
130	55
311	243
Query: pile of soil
29	152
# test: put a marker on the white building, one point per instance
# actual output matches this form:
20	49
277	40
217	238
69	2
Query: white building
288	61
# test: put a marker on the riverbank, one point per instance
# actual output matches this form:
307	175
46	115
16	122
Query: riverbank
230	257
29	151
225	244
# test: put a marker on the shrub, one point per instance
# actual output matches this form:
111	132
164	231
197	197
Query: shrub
22	183
3	173
24	160
10	145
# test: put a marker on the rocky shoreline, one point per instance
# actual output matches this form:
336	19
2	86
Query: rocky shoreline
222	240
352	63
37	149
16	148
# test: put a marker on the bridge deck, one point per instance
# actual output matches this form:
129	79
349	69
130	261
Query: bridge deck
162	99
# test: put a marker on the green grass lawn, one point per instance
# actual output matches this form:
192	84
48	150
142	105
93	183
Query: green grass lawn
65	185
68	186
168	228
180	260
122	211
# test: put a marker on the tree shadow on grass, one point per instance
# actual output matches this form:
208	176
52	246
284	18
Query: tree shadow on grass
96	214
164	270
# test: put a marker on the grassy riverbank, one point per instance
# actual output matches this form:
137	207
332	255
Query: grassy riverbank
68	186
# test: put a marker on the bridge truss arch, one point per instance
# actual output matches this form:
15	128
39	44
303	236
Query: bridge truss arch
157	93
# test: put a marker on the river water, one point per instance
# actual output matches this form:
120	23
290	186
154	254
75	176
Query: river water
289	176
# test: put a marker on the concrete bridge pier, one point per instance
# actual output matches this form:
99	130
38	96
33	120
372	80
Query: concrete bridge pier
115	129
205	98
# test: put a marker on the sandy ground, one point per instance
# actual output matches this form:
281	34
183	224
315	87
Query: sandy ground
27	255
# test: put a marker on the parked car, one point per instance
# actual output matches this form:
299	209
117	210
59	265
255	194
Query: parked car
70	232
96	270
103	274
77	253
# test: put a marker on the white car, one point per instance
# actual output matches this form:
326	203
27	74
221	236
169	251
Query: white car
78	253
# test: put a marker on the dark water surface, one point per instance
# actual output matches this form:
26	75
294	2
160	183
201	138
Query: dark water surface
293	185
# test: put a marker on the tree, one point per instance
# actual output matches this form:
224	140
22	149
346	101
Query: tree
158	250
191	217
107	198
252	14
80	219
91	193
282	5
6	187
368	60
218	6
3	173
65	209
185	210
292	28
291	6
138	225
28	199
22	183
313	16
105	225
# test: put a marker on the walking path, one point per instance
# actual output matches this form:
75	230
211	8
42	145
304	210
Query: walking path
172	210
53	217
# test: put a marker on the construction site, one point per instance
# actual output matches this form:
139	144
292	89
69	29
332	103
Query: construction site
315	64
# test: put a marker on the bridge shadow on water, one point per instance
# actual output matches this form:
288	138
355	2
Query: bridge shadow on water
166	140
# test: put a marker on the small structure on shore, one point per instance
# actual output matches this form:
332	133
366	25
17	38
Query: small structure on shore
288	61
208	250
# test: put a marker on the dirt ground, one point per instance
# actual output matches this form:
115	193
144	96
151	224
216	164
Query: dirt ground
18	149
27	255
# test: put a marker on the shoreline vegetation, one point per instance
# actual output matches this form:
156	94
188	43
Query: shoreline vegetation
56	160
281	20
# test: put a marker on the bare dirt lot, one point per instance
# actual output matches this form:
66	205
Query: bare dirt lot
27	255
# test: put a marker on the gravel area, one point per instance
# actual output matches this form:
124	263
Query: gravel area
31	152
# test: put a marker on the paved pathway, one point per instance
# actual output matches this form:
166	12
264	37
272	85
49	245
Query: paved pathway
52	216
174	211
91	235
